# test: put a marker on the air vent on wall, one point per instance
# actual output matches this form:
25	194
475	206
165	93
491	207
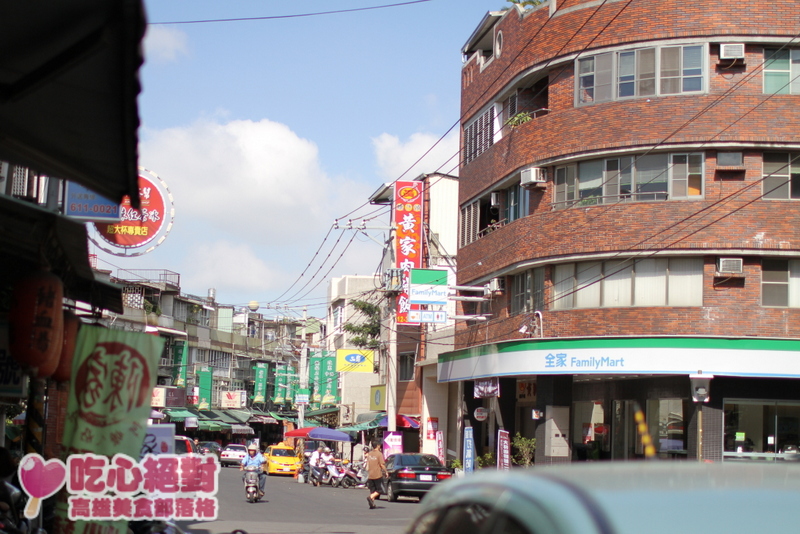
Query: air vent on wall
730	265
731	51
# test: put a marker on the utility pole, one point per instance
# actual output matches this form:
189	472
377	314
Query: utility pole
391	370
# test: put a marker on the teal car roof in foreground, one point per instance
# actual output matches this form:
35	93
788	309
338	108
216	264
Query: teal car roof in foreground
634	497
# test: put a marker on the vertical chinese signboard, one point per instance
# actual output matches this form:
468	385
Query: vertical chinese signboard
503	450
179	359
260	390
330	380
407	219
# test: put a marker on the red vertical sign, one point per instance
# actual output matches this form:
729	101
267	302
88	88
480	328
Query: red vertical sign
408	238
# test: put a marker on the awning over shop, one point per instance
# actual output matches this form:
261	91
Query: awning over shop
322	411
178	415
242	429
242	416
370	420
283	417
608	356
31	234
265	419
212	426
218	415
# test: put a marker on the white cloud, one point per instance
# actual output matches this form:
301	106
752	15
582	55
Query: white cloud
395	158
252	206
234	266
164	44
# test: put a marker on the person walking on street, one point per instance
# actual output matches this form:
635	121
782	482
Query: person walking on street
255	458
314	464
376	471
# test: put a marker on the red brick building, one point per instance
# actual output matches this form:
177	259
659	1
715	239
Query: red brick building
630	187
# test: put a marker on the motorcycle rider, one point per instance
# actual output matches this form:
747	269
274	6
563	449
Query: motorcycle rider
254	458
329	461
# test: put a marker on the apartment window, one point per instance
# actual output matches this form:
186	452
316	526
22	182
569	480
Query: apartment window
527	291
644	178
516	203
470	218
781	72
405	367
628	282
781	175
479	135
780	283
640	73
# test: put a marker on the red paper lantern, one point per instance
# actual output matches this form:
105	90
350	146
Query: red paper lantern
71	326
36	322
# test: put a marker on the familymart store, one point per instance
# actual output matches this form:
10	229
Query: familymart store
702	398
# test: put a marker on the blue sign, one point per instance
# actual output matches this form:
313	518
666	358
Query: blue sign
86	205
469	450
355	358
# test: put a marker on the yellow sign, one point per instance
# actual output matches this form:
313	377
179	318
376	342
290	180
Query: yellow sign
354	361
377	398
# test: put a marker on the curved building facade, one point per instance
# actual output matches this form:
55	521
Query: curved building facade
630	193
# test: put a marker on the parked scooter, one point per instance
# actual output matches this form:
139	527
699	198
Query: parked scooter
355	475
251	483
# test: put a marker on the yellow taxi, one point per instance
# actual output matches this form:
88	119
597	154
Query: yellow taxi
282	460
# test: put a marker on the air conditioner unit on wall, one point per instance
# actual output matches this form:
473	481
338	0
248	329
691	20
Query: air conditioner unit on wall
533	176
731	51
497	285
730	265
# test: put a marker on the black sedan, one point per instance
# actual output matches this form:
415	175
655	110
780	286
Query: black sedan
414	474
210	447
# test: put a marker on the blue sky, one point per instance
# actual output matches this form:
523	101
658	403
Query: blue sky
268	130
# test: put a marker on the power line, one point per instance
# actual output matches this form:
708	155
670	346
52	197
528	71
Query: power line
298	15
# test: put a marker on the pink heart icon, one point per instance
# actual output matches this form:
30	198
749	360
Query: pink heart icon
41	479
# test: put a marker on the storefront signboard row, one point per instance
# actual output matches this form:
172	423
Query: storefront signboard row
609	356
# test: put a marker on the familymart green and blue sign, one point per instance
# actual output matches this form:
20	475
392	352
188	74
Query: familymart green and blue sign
755	357
428	286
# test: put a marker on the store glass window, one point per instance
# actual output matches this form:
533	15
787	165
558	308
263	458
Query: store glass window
761	430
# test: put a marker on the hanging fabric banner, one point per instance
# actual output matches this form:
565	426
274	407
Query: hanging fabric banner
179	356
206	381
315	377
280	384
113	375
260	389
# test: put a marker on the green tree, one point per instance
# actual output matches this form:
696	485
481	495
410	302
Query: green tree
523	450
366	334
526	3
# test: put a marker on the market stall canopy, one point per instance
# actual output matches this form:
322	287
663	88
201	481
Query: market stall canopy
318	433
68	87
370	420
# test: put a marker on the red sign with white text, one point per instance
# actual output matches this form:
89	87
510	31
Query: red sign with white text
407	217
137	227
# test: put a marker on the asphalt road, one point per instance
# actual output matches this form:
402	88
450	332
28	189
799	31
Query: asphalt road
289	507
